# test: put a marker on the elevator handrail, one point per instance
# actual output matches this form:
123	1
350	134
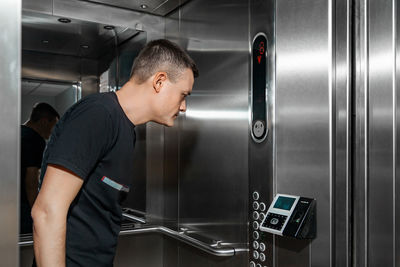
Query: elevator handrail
213	249
183	237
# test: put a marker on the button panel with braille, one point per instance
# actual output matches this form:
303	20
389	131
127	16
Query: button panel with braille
256	245
258	208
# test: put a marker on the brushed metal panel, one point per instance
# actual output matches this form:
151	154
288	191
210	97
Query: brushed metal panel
195	258
56	67
212	137
341	112
360	136
380	131
140	250
397	137
213	163
261	156
10	76
154	173
303	118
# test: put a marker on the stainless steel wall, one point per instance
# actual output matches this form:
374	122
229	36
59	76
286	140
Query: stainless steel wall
376	148
206	153
10	75
312	118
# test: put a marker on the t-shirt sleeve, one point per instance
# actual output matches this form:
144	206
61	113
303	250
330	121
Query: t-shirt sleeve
83	139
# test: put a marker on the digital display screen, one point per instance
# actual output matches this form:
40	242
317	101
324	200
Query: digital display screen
284	203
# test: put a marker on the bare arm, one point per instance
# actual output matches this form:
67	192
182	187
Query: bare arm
49	215
31	184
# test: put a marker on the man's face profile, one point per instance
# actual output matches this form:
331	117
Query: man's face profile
172	97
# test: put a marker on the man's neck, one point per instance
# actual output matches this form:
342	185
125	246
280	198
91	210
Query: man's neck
131	97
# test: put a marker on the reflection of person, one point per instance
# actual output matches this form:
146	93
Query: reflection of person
33	135
88	161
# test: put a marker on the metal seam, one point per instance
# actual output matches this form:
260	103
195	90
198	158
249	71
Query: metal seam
366	126
394	125
348	123
332	59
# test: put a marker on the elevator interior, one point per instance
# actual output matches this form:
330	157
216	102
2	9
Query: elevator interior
327	131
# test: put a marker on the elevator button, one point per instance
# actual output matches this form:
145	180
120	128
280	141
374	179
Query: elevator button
262	216
256	195
256	255
256	245
262	247
256	215
262	257
258	265
258	129
252	264
274	221
262	206
256	225
256	235
256	205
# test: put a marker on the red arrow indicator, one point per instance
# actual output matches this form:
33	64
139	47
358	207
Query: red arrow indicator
259	59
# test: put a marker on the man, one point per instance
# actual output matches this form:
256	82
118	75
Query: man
34	132
88	161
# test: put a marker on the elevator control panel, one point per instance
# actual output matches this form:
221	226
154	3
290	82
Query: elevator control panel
292	216
259	126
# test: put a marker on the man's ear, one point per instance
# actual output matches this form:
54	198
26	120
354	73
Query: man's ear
158	81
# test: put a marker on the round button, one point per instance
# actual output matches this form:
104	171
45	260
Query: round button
262	206
256	215
262	216
256	225
252	264
256	195
256	205
256	255
256	235
262	257
258	265
262	247
258	128
256	245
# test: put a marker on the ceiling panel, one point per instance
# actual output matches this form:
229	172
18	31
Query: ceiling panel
156	7
44	33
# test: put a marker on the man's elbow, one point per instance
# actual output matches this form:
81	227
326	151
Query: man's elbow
39	214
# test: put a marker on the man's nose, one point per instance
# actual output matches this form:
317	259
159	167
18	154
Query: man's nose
182	108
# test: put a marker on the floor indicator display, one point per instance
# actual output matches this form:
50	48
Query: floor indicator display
292	216
259	127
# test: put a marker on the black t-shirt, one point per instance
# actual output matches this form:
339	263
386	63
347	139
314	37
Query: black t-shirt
94	140
32	147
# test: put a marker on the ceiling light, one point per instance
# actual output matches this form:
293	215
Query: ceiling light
45	41
143	6
64	20
84	46
109	27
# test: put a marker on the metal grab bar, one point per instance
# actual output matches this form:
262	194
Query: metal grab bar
214	249
133	218
181	236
